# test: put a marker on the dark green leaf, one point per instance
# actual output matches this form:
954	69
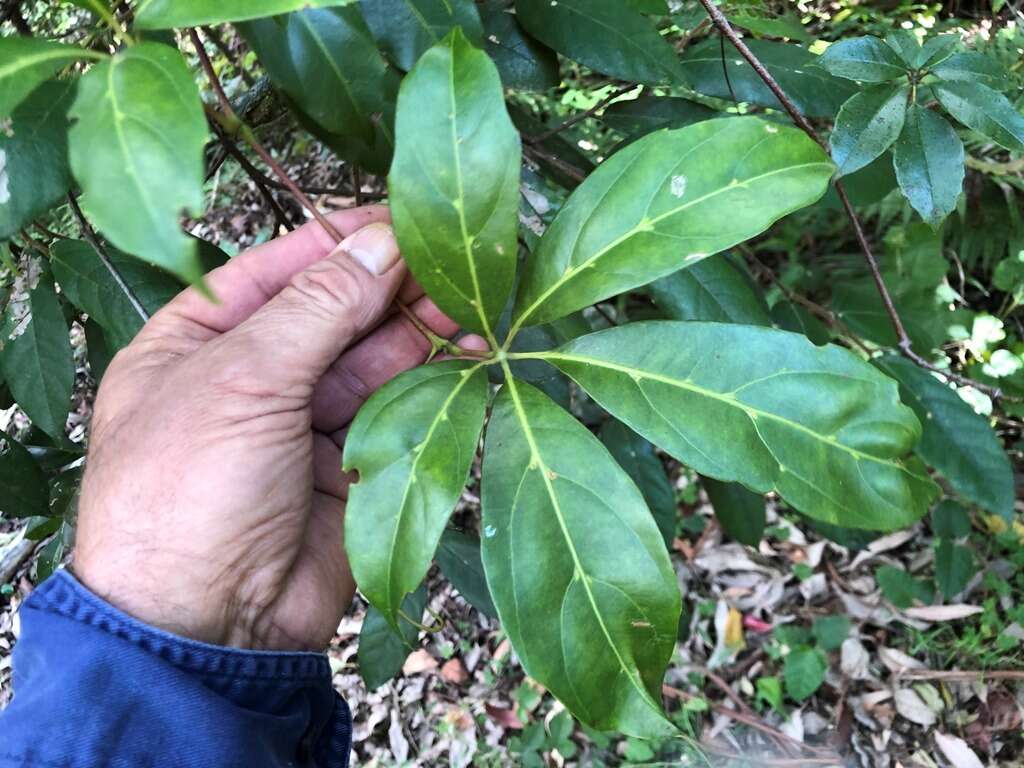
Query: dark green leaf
983	110
327	62
27	62
36	357
973	67
867	59
605	35
814	91
959	443
577	569
522	61
90	286
137	152
25	493
790	316
786	24
713	289
907	46
803	672
954	566
405	29
51	556
653	7
950	520
637	117
762	407
382	650
929	162
637	457
34	173
454	183
868	185
413	443
99	351
740	512
565	152
867	125
831	631
665	202
164	14
458	556
936	50
901	589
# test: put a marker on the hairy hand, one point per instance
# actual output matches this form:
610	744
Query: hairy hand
213	501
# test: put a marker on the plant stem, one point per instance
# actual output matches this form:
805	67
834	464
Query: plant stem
257	178
903	342
582	115
90	237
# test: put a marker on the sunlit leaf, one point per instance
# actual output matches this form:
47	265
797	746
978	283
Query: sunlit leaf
867	59
164	14
27	62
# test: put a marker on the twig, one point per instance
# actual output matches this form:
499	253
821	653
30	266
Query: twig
582	115
233	125
357	185
956	675
684	42
903	342
256	176
569	170
90	237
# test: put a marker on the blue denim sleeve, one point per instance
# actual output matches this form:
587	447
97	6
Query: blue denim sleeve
95	687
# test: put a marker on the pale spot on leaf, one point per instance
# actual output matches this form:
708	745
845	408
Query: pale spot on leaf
678	186
489	531
5	190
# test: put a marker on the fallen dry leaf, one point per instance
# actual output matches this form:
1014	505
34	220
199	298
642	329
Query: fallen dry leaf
913	708
419	661
957	752
506	718
943	612
454	671
854	659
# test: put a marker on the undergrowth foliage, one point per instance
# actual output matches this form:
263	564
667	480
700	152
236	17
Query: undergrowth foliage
846	413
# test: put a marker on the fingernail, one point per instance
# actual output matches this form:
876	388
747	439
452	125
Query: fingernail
373	246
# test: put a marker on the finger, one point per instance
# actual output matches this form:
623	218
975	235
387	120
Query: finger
392	348
251	279
296	336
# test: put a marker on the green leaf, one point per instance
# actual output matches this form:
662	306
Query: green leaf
787	24
955	440
867	59
864	187
638	117
713	289
665	202
137	152
34	173
36	359
413	443
790	316
26	493
577	569
89	285
983	110
328	64
973	67
906	44
605	35
929	162
523	62
950	520
740	512
405	29
164	14
803	672
458	556
637	457
831	631
653	7
99	351
454	183
762	407
901	589
867	125
382	650
815	92
27	62
917	56
954	566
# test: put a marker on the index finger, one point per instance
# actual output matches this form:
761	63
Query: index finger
251	279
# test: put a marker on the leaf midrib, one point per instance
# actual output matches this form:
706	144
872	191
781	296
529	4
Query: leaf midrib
542	467
752	412
647	225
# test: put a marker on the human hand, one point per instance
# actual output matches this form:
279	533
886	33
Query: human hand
213	500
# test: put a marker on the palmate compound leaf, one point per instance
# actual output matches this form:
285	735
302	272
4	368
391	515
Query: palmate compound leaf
664	202
165	14
576	566
765	408
137	152
454	182
412	443
26	62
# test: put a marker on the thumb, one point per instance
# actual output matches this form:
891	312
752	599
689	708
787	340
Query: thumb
298	334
